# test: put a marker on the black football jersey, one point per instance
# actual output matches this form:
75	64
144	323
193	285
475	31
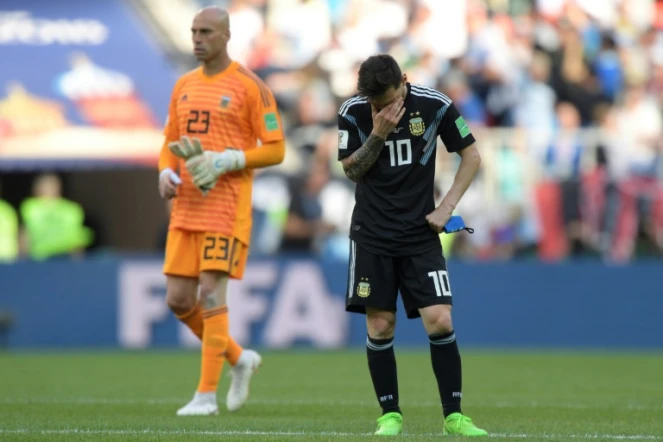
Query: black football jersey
395	195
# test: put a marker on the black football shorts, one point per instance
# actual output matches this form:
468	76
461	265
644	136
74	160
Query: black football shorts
375	281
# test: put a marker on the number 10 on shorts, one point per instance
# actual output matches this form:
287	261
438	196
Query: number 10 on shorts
441	280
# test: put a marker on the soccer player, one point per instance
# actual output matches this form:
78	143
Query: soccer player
229	113
387	142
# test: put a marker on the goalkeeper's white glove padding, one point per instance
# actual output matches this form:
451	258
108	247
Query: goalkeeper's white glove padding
205	169
186	148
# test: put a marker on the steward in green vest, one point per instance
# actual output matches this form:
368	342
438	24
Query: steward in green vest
8	233
53	224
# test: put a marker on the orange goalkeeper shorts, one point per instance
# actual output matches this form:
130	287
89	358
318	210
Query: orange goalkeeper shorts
189	253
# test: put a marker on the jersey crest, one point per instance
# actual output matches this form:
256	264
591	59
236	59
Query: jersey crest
417	126
364	288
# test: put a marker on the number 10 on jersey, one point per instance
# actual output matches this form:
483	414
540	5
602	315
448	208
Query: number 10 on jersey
400	153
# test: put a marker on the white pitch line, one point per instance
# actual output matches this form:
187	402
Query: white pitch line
68	431
578	436
320	402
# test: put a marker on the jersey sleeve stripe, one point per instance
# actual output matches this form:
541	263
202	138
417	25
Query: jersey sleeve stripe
346	103
429	92
432	128
440	97
264	95
431	135
351	102
351	119
428	89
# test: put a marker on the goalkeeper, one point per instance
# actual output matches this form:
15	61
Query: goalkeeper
222	123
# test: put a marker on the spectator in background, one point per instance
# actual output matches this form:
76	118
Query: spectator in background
640	128
517	233
8	232
639	125
571	76
608	68
248	17
53	224
304	227
504	64
536	108
500	65
315	108
656	85
562	161
598	183
468	103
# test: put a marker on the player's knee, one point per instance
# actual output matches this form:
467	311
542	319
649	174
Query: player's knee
381	325
207	294
206	288
438	320
180	302
181	294
213	289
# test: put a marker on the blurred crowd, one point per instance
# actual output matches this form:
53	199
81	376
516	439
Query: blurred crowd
564	96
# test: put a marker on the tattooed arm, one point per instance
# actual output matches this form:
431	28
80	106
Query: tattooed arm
357	164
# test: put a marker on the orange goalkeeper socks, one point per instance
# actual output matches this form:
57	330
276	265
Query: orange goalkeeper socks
233	352
215	345
194	320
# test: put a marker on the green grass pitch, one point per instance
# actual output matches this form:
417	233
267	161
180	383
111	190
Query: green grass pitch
320	396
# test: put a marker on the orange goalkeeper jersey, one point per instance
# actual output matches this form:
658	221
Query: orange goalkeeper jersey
233	108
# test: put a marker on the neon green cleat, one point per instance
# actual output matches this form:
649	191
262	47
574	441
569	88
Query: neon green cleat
460	425
390	424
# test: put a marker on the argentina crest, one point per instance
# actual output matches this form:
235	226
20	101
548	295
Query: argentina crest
363	288
417	126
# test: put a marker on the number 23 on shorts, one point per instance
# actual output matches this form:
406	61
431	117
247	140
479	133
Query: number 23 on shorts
219	253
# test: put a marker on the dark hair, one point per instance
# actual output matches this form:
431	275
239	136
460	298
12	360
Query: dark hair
376	74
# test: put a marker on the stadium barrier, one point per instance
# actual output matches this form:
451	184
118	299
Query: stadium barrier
291	301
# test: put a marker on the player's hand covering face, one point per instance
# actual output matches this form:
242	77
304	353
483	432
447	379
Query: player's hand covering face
386	120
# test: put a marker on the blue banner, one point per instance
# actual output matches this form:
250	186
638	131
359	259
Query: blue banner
286	302
83	83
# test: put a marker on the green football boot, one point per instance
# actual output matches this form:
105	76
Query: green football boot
457	424
390	424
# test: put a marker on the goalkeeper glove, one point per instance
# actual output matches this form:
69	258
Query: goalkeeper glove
186	148
205	169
